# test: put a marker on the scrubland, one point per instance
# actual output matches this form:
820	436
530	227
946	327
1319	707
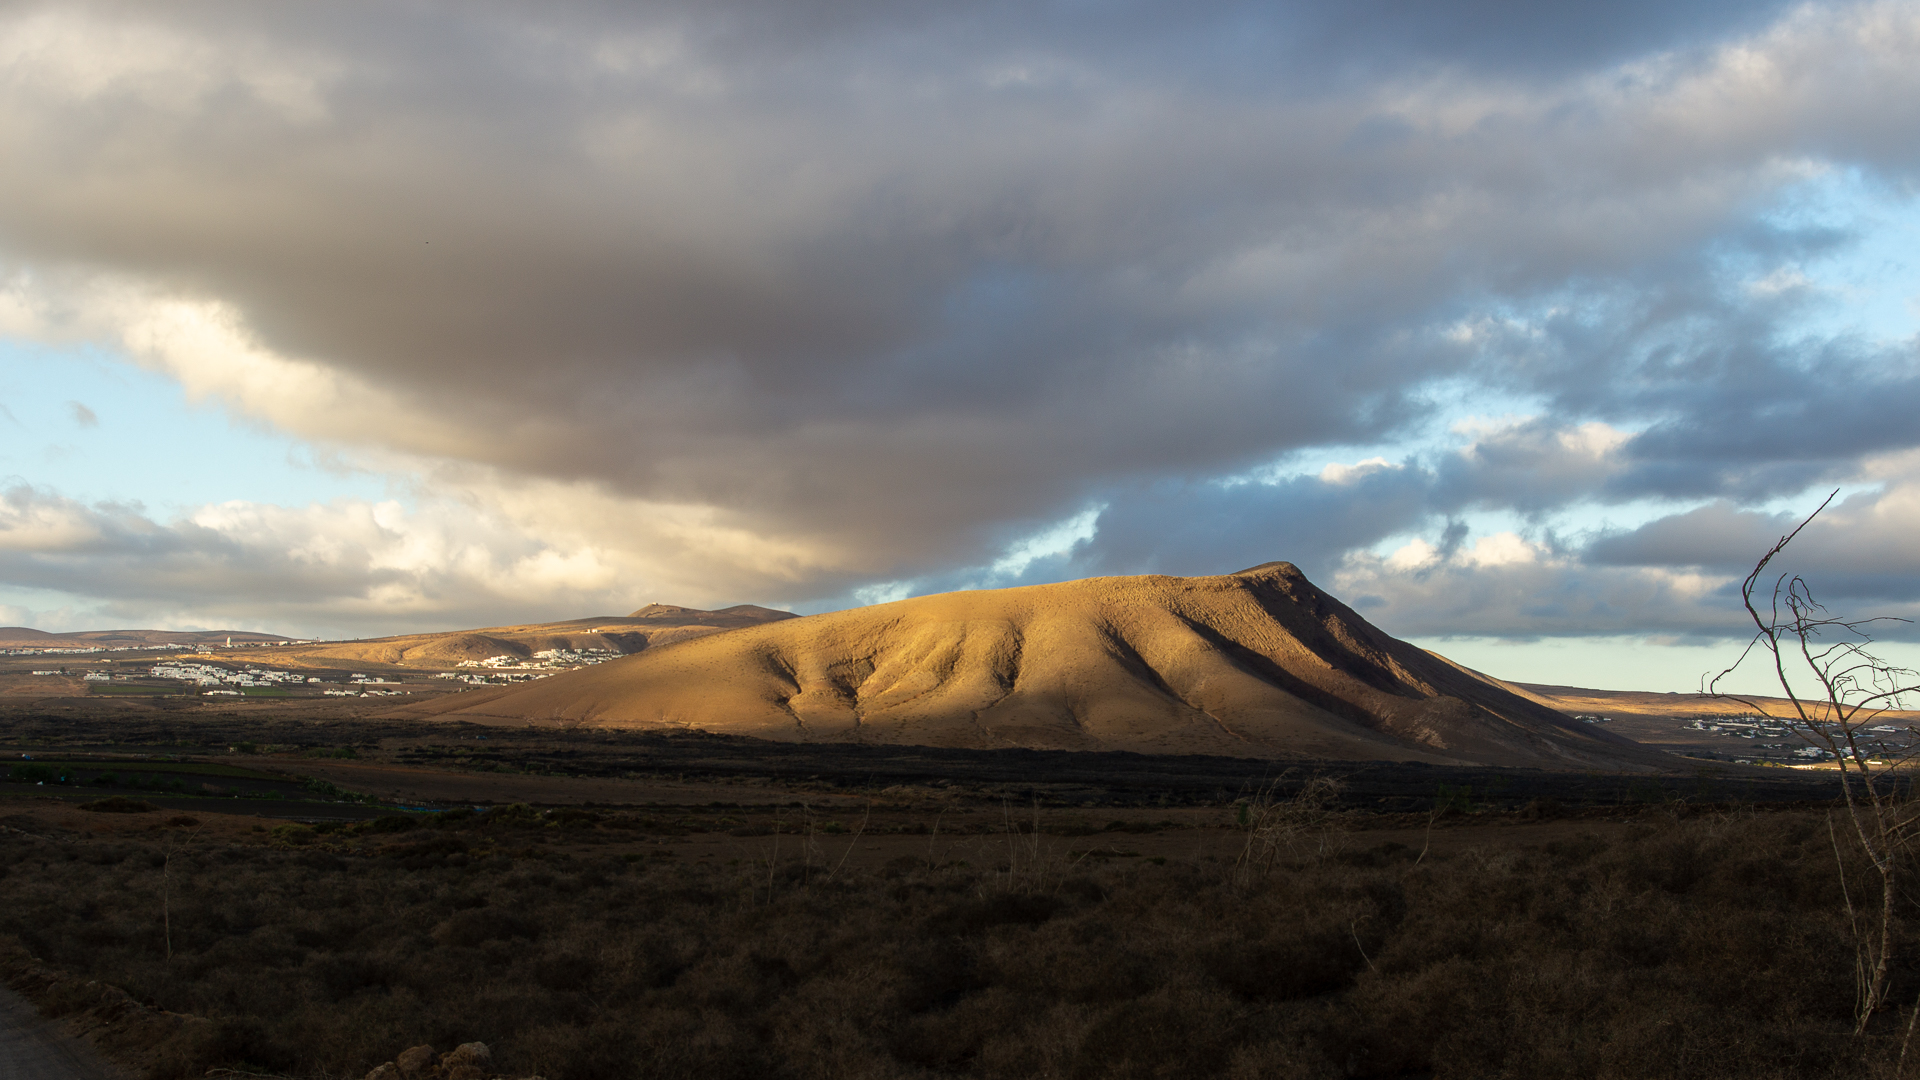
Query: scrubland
1675	942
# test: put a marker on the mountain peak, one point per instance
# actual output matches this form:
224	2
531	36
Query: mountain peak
1260	663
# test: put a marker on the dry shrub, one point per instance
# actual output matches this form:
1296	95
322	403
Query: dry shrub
1696	947
472	928
1305	824
119	804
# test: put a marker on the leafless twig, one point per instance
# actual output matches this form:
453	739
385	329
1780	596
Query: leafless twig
1836	688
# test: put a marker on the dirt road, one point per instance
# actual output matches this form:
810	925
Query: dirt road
33	1049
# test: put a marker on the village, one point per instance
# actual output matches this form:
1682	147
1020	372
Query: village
508	668
1790	743
226	679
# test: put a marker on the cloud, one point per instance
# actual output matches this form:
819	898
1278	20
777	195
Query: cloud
780	301
1858	550
1507	587
1531	463
82	416
1678	574
344	567
1211	528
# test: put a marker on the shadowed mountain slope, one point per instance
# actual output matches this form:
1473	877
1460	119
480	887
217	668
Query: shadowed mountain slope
1259	663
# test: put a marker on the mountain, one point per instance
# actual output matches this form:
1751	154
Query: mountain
1575	700
1260	664
653	625
22	637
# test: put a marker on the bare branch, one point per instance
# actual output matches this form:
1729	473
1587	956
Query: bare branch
1855	687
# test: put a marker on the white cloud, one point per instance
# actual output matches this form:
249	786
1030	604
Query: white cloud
1498	588
1489	436
1336	473
885	592
1781	281
1502	549
1416	554
32	525
1678	574
355	567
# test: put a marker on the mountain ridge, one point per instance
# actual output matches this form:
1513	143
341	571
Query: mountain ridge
1256	663
650	627
26	637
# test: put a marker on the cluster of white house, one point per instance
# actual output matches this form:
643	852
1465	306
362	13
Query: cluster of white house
365	684
576	656
71	650
494	670
50	652
507	668
495	679
209	675
545	659
1873	738
1772	727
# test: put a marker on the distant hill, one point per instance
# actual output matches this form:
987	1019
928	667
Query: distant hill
1577	699
1258	663
23	637
653	625
740	614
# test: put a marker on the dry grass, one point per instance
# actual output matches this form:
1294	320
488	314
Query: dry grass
1695	946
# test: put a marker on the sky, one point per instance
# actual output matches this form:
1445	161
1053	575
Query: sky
1524	329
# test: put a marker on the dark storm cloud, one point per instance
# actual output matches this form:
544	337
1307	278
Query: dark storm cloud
1215	529
890	279
1773	428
